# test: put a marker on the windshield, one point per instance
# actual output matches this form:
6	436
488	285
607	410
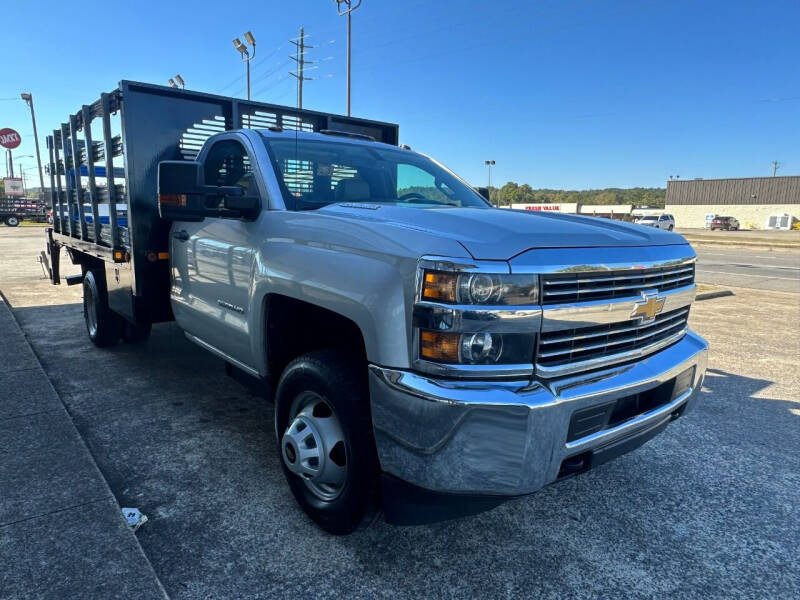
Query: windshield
315	173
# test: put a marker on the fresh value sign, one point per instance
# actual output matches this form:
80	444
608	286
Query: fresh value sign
9	138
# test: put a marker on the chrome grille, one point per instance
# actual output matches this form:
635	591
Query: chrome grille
560	288
574	346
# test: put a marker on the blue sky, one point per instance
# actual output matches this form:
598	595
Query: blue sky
567	94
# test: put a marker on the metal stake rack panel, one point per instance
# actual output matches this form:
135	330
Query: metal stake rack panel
155	123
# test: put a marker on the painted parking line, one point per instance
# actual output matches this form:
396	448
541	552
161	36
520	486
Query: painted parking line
749	266
749	275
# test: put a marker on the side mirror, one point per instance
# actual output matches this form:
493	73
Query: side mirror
183	195
484	191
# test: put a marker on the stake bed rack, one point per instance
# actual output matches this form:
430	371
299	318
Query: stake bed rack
103	165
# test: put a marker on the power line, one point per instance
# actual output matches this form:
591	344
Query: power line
300	59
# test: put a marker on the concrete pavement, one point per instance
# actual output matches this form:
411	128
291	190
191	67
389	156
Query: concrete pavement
61	531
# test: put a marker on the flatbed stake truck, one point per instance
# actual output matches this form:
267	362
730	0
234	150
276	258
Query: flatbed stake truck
429	355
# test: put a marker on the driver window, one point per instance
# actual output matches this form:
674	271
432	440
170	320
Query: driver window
414	182
228	164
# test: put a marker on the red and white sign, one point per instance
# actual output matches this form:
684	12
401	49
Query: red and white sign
9	138
13	186
555	207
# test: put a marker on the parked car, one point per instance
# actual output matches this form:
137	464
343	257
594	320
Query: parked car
428	354
726	223
659	221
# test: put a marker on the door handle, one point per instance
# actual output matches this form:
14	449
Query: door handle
181	235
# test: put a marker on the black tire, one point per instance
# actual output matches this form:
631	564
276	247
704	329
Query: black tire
670	228
342	382
134	334
102	324
12	221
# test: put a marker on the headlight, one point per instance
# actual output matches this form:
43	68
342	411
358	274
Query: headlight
480	288
470	321
482	348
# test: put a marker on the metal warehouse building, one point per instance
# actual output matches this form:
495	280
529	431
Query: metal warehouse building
757	202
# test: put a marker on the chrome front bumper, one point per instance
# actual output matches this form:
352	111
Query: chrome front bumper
510	438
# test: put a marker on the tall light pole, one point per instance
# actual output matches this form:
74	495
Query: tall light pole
350	7
28	98
246	55
489	164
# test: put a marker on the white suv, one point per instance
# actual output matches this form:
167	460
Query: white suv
661	221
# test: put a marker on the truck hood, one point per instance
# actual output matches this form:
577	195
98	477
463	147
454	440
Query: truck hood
500	234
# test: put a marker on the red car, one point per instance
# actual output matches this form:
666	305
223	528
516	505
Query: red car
726	223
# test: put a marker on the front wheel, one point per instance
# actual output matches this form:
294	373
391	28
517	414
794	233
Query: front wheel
12	221
325	440
670	228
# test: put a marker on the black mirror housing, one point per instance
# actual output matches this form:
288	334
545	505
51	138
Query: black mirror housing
183	195
179	189
484	191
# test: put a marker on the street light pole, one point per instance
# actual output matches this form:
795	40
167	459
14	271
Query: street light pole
489	164
28	98
348	11
246	55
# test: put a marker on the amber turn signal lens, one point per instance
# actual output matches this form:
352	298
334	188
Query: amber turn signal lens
442	347
172	199
439	286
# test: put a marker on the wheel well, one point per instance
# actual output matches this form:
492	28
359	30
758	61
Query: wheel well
295	327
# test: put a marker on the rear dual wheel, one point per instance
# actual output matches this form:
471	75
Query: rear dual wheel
325	440
104	326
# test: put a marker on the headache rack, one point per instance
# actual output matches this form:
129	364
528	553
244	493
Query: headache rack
103	165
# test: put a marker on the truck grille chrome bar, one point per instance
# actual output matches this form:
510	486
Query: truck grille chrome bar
570	351
558	288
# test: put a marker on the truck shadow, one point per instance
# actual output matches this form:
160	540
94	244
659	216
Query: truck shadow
704	504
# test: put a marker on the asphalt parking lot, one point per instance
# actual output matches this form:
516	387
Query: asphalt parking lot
750	268
709	509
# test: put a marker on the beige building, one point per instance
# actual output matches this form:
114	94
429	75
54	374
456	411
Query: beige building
756	202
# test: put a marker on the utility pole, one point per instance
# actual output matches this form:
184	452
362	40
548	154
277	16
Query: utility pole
301	61
775	166
22	176
348	11
28	98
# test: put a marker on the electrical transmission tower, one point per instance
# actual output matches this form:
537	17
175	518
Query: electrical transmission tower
300	59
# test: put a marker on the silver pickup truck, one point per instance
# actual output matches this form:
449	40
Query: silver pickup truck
429	355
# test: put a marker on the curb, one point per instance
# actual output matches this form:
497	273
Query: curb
710	295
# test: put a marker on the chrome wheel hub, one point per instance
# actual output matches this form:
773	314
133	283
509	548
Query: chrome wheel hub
313	446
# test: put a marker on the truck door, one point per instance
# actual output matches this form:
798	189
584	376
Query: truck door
212	261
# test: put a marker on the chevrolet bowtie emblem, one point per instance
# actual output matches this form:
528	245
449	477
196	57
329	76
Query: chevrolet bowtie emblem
650	305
